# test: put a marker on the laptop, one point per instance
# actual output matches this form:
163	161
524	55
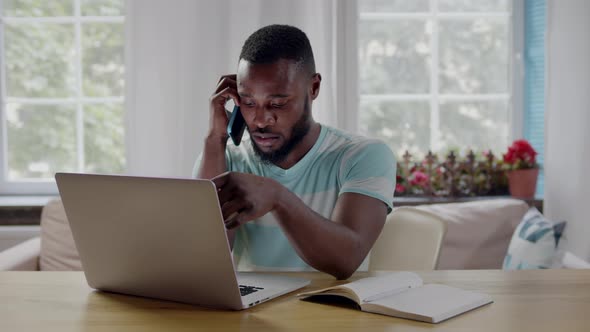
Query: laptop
160	238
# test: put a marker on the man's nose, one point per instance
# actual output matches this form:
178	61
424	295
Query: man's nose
263	117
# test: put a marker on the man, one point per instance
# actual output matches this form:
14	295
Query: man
297	195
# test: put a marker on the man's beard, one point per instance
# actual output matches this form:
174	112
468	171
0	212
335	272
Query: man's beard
300	129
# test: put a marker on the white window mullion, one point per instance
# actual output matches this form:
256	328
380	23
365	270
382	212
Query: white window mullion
79	94
393	16
395	97
434	84
63	20
516	69
474	97
60	101
3	120
426	15
472	16
426	97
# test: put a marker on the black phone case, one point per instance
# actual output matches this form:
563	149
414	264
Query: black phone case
236	126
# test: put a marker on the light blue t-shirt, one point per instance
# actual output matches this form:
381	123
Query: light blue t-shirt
337	163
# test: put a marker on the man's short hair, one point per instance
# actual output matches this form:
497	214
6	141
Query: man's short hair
274	42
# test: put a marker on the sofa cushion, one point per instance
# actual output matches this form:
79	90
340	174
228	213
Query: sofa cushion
478	232
534	243
58	251
22	257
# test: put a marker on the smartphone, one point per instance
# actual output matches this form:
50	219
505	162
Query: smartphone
236	126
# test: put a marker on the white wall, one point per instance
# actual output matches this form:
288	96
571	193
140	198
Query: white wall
166	105
567	140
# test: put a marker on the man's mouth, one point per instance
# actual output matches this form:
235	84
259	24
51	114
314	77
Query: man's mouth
265	140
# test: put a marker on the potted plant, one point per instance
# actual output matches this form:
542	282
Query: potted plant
522	169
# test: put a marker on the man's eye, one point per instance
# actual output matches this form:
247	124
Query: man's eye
277	105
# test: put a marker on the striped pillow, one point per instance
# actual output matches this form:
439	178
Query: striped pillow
534	243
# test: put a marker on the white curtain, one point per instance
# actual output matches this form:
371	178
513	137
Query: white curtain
567	138
177	50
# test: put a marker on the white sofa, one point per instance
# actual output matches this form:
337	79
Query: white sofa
478	235
478	232
53	250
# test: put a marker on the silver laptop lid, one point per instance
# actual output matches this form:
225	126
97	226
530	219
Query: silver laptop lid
154	237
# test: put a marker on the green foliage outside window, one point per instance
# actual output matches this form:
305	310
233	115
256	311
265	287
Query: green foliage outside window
41	59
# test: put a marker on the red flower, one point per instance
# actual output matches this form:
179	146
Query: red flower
521	155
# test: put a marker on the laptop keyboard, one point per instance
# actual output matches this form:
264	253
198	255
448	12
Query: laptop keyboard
245	290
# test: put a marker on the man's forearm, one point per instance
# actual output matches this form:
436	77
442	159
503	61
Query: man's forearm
325	245
213	161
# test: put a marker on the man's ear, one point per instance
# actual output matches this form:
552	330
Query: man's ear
316	81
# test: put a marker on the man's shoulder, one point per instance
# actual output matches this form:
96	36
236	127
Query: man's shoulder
240	157
244	148
352	144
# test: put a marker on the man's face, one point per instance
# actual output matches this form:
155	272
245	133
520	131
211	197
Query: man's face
275	103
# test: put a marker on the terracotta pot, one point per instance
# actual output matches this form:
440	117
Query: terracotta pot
523	182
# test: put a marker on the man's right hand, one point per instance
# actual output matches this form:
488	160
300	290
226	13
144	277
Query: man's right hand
218	119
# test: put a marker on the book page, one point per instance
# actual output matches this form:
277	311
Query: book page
437	302
371	288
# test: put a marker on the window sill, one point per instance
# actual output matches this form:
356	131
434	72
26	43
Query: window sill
19	210
410	201
26	210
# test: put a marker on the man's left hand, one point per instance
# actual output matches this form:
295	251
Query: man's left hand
244	197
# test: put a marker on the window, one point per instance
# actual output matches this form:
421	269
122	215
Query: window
437	74
62	72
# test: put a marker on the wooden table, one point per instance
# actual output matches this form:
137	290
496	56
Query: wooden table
543	300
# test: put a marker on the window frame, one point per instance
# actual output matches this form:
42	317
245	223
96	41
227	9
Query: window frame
515	91
48	186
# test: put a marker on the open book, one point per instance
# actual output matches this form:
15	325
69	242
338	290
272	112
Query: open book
404	295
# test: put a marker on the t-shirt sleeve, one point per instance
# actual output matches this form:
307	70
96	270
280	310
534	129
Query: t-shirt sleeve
369	168
197	165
